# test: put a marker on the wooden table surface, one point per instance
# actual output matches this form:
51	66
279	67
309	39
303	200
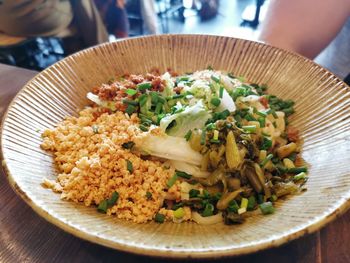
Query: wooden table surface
26	237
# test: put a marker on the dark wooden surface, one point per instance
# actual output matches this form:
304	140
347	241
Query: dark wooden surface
26	237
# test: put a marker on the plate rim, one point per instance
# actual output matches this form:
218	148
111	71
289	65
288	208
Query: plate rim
167	253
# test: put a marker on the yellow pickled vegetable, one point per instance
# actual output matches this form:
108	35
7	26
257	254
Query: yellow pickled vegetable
233	158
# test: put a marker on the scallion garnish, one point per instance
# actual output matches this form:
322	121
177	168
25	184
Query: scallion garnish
251	203
244	202
216	135
266	144
131	92
215	101
233	206
221	92
203	137
249	128
297	170
102	206
128	145
188	135
210	126
262	113
172	181
154	97
129	166
178	96
130	102
183	175
215	78
208	210
266	160
144	86
130	109
249	117
261	121
159	218
267	208
193	193
143	127
159	108
142	100
105	204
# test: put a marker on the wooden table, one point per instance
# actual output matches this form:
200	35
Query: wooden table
26	237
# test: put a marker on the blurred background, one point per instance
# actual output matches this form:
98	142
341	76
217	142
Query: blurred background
36	34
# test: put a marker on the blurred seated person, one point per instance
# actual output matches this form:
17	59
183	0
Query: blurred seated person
114	16
78	23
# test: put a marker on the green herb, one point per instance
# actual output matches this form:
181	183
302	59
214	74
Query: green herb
297	170
179	213
266	160
131	92
215	101
267	208
261	113
128	145
249	128
142	100
208	210
261	120
130	109
251	203
154	97
172	181
188	135
143	127
148	195
131	102
159	108
144	86
299	176
249	117
159	218
266	144
292	157
215	78
193	193
203	137
129	166
233	206
210	126
95	129
105	204
183	174
178	96
221	92
177	205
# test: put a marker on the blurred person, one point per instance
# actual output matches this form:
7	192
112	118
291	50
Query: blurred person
114	16
78	23
147	11
317	29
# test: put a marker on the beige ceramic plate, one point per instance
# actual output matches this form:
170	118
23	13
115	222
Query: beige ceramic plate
322	115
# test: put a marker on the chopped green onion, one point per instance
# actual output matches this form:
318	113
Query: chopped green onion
183	175
216	135
179	213
129	166
128	145
130	102
177	205
267	208
221	92
260	199
148	195
102	206
208	210
95	129
299	176
188	135
233	206
249	128
178	96
203	137
131	92
193	193
297	170
172	181
266	160
215	141
159	218
251	203
274	114
262	113
215	78
144	86
273	198
143	128
159	108
266	144
215	101
142	100
211	126
111	202
130	109
154	97
249	117
261	120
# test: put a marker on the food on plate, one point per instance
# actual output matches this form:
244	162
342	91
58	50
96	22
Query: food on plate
204	146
